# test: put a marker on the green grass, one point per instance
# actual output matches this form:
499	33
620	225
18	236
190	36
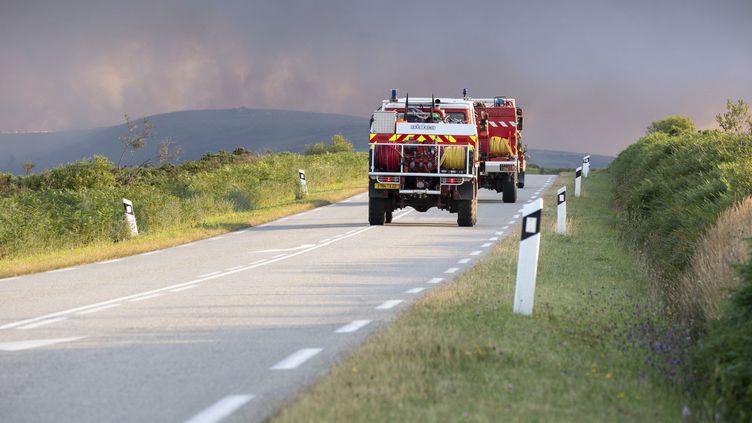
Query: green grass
459	354
73	214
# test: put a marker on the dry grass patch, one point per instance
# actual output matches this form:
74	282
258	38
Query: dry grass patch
712	277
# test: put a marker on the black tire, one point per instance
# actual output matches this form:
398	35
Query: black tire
389	215
521	180
510	191
376	211
467	212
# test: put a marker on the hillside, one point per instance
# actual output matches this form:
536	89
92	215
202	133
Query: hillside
195	131
199	131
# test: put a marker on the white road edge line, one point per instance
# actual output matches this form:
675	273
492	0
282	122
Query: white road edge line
110	261
43	322
185	288
352	326
296	359
386	305
415	290
220	409
178	285
230	269
94	310
36	343
150	253
209	274
147	297
67	269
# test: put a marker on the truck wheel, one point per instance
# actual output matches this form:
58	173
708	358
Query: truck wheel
510	191
467	212
521	181
389	215
376	211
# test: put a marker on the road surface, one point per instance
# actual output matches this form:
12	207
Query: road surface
228	328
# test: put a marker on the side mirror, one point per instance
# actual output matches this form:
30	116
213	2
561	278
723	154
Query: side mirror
519	123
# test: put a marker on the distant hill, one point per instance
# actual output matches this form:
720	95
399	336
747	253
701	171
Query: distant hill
565	159
201	131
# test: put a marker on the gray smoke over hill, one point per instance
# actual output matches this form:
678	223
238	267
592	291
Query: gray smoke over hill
197	132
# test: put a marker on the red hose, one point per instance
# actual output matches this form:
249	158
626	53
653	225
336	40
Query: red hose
387	158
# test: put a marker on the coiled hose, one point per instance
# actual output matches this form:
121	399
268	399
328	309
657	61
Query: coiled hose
387	158
453	158
499	147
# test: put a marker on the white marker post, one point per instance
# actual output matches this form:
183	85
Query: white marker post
578	181
561	210
303	185
130	216
586	166
527	262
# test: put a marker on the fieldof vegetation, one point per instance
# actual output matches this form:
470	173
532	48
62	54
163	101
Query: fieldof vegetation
80	204
685	200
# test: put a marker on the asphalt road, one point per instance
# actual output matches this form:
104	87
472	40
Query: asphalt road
228	328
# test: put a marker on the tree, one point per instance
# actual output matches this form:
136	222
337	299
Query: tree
168	150
28	165
340	144
737	119
673	125
133	139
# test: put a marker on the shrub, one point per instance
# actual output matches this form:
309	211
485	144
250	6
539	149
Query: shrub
724	356
672	125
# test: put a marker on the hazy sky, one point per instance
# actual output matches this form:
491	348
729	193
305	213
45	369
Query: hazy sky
591	75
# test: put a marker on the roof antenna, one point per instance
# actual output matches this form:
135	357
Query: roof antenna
464	93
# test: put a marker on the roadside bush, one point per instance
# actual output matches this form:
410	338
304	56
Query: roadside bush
81	203
97	172
338	144
671	189
724	356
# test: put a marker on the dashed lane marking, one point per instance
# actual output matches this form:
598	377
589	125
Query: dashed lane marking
221	409
463	261
476	253
486	245
352	326
386	305
415	290
435	280
296	359
452	270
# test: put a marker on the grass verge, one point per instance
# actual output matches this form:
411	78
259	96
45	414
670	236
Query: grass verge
459	354
215	225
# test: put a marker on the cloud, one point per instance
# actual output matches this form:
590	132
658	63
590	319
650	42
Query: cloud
592	75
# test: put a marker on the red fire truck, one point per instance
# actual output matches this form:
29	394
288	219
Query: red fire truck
423	153
502	156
